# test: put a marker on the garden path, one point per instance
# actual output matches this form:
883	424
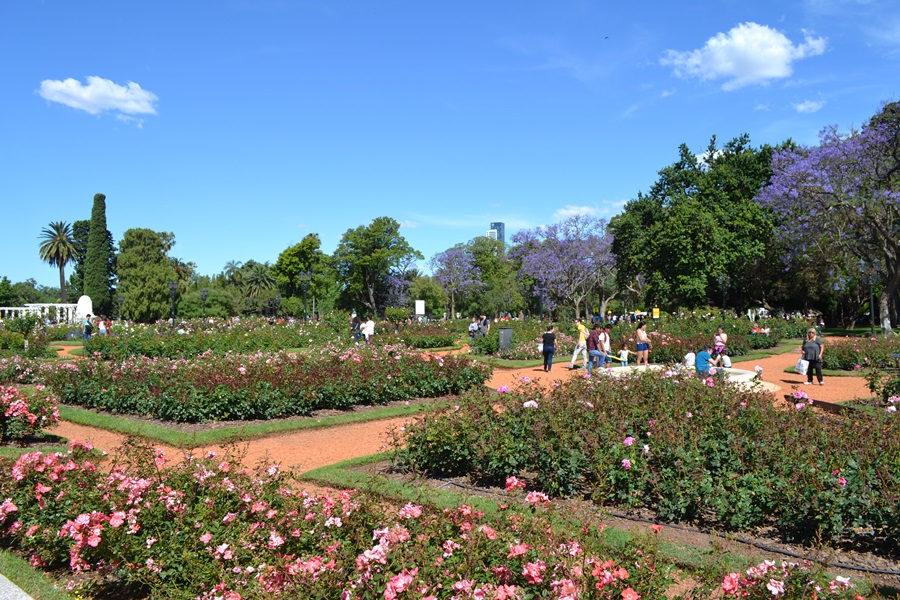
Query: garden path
311	449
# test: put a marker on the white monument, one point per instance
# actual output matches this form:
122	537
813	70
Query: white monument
84	308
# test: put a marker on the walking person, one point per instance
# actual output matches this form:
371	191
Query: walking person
581	345
87	328
548	341
595	349
813	349
643	345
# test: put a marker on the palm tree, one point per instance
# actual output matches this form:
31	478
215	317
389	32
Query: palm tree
257	279
233	271
57	249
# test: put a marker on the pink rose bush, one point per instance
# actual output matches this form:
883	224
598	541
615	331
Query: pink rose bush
652	441
249	535
261	385
23	415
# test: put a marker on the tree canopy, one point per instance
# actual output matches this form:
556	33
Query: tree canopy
98	272
366	257
58	249
839	202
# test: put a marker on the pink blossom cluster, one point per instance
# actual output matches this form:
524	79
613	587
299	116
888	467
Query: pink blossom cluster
769	578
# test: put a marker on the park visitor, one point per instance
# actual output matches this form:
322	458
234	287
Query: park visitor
87	328
705	361
623	354
813	349
595	349
368	329
548	347
643	345
719	341
581	345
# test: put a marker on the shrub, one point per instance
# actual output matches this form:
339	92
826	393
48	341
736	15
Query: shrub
24	415
686	447
262	385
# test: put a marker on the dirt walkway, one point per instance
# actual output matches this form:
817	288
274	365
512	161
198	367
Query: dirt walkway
310	449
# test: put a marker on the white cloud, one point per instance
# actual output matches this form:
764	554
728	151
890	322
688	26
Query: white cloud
748	54
761	107
100	95
570	210
409	224
808	106
667	93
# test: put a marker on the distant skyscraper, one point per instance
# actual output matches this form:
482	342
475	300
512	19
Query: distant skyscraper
497	232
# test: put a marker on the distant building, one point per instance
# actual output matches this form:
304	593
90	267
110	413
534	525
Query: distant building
497	232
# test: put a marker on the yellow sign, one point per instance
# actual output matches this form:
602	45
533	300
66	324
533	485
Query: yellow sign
656	312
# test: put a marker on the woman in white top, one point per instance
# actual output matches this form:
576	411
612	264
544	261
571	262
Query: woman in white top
368	329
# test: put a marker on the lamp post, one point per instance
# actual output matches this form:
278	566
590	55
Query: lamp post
305	278
277	305
173	290
868	272
204	294
121	300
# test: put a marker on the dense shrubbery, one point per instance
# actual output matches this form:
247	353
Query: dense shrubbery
22	370
672	337
263	385
861	353
24	415
690	449
220	337
207	528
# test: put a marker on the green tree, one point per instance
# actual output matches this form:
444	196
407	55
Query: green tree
80	233
144	272
428	289
98	276
698	235
257	279
7	293
57	249
299	258
366	257
232	272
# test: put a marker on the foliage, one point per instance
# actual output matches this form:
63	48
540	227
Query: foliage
299	258
25	415
98	274
21	370
80	234
840	201
144	272
366	257
861	353
428	289
567	260
691	449
58	249
455	270
261	385
396	315
206	527
698	234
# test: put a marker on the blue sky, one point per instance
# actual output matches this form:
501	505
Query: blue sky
243	125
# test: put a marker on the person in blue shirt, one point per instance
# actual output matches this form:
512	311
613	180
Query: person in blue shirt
705	361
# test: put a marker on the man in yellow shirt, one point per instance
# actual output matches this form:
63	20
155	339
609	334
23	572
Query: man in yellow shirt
581	346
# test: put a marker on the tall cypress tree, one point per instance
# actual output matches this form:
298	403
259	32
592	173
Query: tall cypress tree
97	274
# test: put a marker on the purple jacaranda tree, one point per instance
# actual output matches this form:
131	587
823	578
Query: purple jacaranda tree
841	200
455	270
567	260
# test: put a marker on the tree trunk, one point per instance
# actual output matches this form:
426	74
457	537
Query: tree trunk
62	284
884	308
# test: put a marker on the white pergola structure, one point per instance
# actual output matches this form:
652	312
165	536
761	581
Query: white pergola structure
63	313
